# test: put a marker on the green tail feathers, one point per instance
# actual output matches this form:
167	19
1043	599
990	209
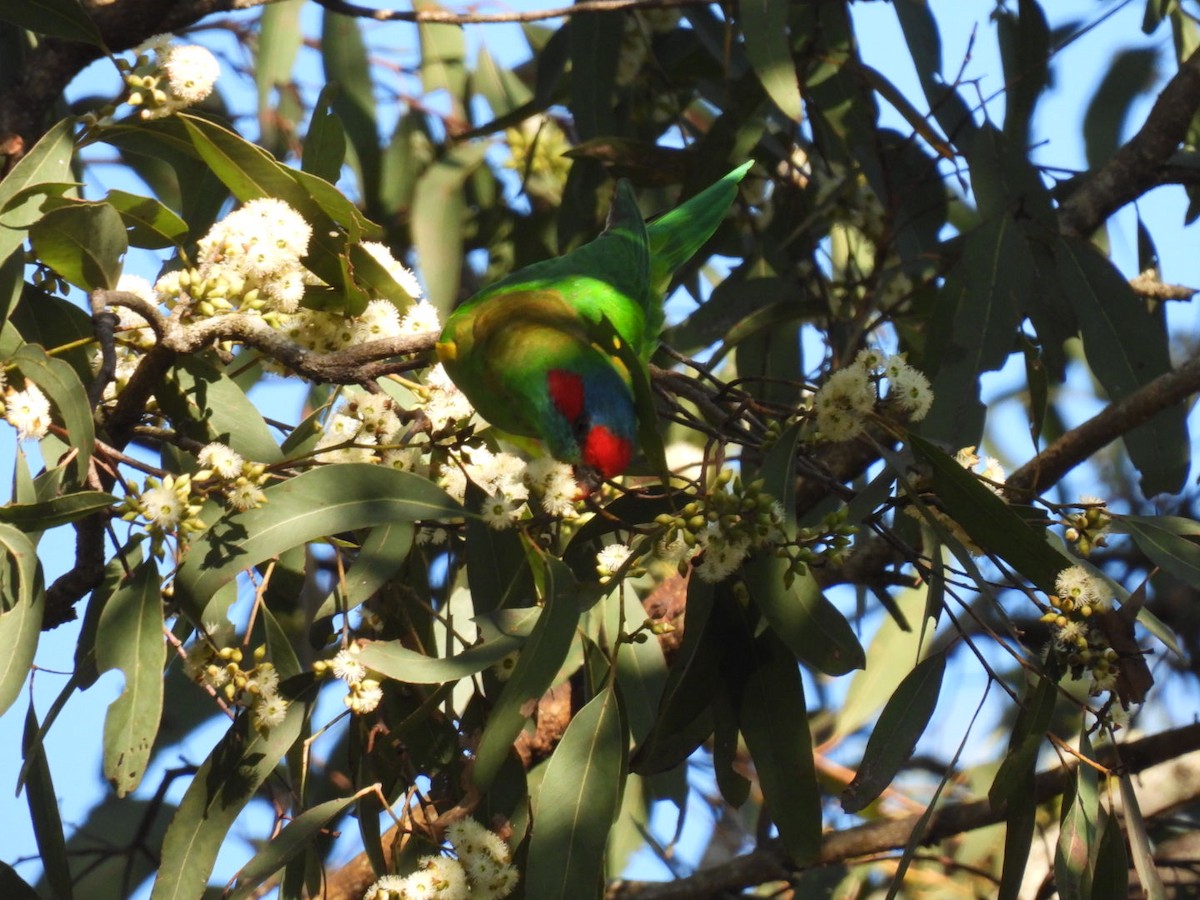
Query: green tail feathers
676	236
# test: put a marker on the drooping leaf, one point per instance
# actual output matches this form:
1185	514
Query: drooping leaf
150	223
43	809
130	638
896	733
325	142
59	381
1024	40
1126	347
1074	855
299	835
764	24
497	568
344	56
21	608
540	660
84	242
594	40
48	162
14	886
438	212
381	556
312	505
225	782
578	801
811	627
774	722
1165	540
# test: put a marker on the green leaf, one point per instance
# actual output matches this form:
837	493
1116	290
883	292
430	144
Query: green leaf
594	41
130	638
382	554
54	18
300	834
325	144
1165	540
501	87
14	886
84	243
43	809
952	112
59	511
1111	878
774	722
990	522
684	717
1129	75
641	667
1126	348
225	782
20	615
764	25
344	56
890	657
62	385
896	733
209	406
150	223
49	162
497	569
1075	853
811	627
1029	731
438	214
1024	41
395	661
316	504
578	802
974	323
279	38
443	56
535	671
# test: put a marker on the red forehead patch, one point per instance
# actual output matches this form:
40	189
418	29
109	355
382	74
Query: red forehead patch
607	452
566	393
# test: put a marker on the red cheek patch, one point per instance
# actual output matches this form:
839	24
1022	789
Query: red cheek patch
566	393
607	452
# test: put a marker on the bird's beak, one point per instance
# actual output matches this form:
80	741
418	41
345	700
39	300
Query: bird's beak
589	479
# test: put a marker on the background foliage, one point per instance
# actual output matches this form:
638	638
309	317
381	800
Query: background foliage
572	711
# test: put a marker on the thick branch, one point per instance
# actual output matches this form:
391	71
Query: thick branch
50	67
1080	443
770	863
1134	168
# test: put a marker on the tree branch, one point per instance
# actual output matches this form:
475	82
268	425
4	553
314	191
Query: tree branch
770	863
1134	168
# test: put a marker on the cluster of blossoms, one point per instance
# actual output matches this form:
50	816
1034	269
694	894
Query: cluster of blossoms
1080	595
538	147
1087	529
846	400
164	78
238	480
721	528
481	869
365	692
166	506
212	662
510	482
28	411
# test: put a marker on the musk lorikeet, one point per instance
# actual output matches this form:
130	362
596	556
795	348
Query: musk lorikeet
525	350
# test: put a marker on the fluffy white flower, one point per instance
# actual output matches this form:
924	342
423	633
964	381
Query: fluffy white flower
28	411
162	506
222	459
422	316
843	402
191	72
500	513
386	888
911	390
364	696
244	495
402	276
380	319
611	558
1082	588
270	710
345	665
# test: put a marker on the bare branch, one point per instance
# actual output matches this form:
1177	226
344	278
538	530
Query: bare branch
770	862
1134	168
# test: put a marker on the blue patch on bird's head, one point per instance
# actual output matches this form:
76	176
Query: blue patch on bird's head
595	424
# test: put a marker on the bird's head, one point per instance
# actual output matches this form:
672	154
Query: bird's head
598	424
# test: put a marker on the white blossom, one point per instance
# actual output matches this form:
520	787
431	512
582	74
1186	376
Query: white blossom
28	411
222	459
191	72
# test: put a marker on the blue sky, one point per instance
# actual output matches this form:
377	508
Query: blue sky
74	745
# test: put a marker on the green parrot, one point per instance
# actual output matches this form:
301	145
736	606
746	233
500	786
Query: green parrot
525	349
